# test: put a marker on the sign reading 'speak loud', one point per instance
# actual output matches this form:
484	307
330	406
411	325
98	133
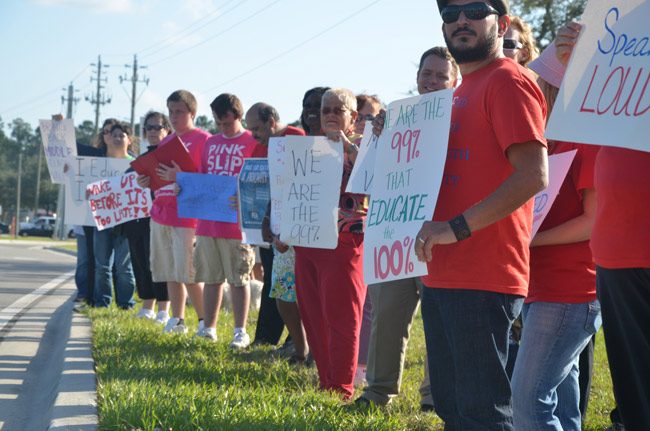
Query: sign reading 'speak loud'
605	94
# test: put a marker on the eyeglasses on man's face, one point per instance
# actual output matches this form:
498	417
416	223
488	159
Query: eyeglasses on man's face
472	11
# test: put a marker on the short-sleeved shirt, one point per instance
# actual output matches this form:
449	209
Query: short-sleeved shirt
566	272
263	150
165	208
494	108
621	234
224	156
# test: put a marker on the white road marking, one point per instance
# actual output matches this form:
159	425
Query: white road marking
8	314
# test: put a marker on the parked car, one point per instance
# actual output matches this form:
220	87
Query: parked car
4	228
42	226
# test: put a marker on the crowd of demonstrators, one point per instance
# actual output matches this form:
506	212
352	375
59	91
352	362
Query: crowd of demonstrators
484	267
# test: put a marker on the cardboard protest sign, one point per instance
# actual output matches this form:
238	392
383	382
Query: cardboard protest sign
409	164
59	146
605	94
276	177
117	200
312	187
254	197
206	197
364	167
81	172
558	167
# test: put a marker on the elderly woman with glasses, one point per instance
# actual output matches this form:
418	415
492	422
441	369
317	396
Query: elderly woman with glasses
329	283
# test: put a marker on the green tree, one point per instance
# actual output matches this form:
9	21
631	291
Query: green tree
85	132
547	16
205	123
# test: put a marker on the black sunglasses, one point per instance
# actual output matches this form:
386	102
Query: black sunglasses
512	44
156	127
474	11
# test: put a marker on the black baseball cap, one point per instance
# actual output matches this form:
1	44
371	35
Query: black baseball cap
500	5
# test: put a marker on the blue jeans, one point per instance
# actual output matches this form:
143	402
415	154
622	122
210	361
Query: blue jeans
545	384
81	273
466	333
112	252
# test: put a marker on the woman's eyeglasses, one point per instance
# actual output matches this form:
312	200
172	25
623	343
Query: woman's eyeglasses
512	44
474	11
336	111
152	127
367	117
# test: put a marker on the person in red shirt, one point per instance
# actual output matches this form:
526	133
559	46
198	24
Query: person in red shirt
561	313
263	121
620	244
477	246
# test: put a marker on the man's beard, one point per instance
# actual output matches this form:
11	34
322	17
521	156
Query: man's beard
481	51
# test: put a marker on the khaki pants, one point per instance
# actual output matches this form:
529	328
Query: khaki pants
393	306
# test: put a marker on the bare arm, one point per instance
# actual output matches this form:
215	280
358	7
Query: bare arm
530	163
577	229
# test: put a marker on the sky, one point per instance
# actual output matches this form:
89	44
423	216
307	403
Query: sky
261	50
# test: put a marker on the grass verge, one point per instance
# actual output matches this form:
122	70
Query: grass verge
151	382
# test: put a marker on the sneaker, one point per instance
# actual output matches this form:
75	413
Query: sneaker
162	318
425	408
241	340
80	307
174	326
208	334
201	329
287	350
146	313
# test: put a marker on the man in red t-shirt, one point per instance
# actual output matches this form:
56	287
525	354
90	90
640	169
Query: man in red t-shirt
477	244
263	121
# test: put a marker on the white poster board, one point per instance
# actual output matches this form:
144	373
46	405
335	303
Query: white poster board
81	172
59	146
117	200
410	160
360	180
605	94
311	192
558	167
276	180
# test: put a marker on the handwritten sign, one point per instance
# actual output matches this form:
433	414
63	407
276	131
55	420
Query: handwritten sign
364	167
605	94
206	197
276	177
254	197
117	200
312	187
409	164
59	145
558	167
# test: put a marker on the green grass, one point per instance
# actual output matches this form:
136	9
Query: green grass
147	381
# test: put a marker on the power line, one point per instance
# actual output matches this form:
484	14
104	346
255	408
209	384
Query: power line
293	48
175	37
238	23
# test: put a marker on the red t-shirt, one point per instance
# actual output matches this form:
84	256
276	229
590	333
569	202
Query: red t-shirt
164	209
263	150
566	272
224	156
494	107
621	233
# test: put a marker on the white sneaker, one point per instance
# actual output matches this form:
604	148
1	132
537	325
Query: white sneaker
201	328
162	318
175	327
146	313
241	340
208	333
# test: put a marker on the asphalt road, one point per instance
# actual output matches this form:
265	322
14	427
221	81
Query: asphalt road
47	378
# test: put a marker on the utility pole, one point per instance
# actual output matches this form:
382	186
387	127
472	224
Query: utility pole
60	204
134	81
98	99
18	187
